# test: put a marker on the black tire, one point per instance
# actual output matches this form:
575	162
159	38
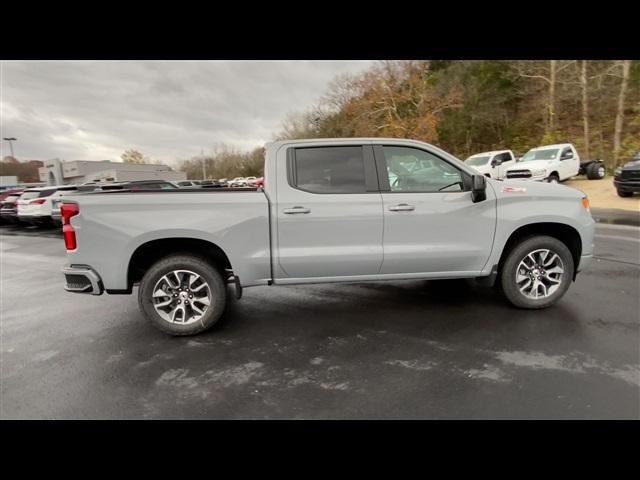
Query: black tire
553	178
624	194
517	254
595	171
195	264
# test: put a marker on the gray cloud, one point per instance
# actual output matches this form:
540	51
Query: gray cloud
168	110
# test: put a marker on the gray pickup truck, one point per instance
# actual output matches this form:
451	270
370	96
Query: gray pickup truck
331	210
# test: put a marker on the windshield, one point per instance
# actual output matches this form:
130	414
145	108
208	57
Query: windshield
547	154
477	161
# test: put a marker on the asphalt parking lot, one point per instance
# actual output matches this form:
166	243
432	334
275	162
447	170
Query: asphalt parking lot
413	349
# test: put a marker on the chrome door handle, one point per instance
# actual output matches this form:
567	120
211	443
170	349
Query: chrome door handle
291	211
402	207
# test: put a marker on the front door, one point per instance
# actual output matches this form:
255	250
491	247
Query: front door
430	223
569	163
329	212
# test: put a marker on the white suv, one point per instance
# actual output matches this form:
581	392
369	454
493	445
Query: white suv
551	163
36	205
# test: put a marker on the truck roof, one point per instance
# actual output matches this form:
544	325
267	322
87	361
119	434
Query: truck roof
492	152
557	145
342	139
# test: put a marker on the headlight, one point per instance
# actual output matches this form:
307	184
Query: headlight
617	172
539	172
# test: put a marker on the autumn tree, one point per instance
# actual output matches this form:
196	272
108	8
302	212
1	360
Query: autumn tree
134	156
224	161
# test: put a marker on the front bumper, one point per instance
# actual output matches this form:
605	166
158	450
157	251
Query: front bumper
82	279
9	215
34	219
626	185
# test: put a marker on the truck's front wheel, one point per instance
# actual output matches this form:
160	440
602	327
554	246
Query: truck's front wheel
537	272
182	295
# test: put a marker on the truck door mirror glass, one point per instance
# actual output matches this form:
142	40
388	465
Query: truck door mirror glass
478	188
496	162
567	155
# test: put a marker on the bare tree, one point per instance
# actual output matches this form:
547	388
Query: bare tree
617	134
548	74
585	106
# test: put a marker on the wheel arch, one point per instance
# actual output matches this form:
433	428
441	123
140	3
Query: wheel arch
150	252
563	232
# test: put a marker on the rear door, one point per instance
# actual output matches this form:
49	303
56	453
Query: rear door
329	212
430	223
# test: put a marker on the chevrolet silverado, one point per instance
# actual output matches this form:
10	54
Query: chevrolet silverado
330	210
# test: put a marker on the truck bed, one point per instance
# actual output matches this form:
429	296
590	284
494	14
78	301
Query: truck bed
112	225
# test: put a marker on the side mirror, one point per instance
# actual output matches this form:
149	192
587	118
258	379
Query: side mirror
478	188
496	162
567	156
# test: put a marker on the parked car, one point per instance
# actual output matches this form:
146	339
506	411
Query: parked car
237	182
250	181
35	205
11	191
551	163
320	219
138	185
213	184
492	164
260	181
186	184
9	207
626	179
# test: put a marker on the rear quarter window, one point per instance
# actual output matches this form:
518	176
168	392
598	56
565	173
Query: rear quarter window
46	193
337	169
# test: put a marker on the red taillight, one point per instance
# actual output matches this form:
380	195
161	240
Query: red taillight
37	201
68	210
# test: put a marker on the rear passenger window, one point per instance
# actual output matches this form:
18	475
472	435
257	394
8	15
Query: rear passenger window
329	170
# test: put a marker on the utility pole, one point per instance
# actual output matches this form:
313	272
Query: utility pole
204	165
11	140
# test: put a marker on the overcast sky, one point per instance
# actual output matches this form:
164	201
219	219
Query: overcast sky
167	110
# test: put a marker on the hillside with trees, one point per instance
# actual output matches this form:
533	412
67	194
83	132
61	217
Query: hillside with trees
472	106
466	107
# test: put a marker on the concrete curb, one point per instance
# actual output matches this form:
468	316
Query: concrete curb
616	216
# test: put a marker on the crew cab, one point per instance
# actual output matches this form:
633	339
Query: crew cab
492	164
331	210
551	163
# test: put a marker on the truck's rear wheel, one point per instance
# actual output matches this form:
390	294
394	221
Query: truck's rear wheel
182	295
537	272
596	171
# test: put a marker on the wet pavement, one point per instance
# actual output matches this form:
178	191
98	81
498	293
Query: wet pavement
411	349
